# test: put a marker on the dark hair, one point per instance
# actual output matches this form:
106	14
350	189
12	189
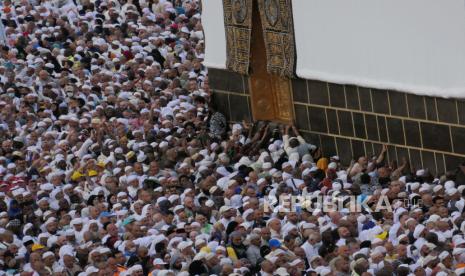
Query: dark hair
360	268
365	244
365	178
385	271
403	271
432	238
436	198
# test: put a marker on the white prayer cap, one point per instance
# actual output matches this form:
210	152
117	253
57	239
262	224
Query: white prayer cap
458	251
177	208
420	172
173	198
433	218
449	184
414	185
47	254
401	237
460	188
451	191
266	166
424	190
459	241
323	271
76	221
184	244
337	186
158	261
332	165
245	161
66	250
378	250
430	245
459	271
437	188
121	194
91	269
132	178
43	235
247	213
49	220
199	242
283	272
443	255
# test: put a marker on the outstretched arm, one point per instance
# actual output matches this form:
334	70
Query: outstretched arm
381	155
398	172
379	160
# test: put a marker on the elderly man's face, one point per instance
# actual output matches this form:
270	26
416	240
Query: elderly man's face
275	225
344	232
68	261
138	168
265	234
78	226
52	227
237	240
49	260
43	75
448	261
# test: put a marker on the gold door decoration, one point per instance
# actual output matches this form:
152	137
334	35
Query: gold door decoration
238	26
270	94
278	32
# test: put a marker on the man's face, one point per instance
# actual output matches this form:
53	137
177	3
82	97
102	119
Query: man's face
395	187
292	217
43	205
267	266
237	240
344	232
317	262
266	234
443	212
448	261
401	250
275	225
145	196
120	259
68	261
343	250
112	230
363	161
78	227
256	241
138	168
49	260
188	202
439	202
420	271
43	75
52	227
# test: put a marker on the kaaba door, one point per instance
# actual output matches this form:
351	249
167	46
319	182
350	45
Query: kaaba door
271	95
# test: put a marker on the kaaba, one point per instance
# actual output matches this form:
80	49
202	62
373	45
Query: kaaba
352	75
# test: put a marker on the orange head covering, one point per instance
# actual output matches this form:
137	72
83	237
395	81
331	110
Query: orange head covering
322	164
